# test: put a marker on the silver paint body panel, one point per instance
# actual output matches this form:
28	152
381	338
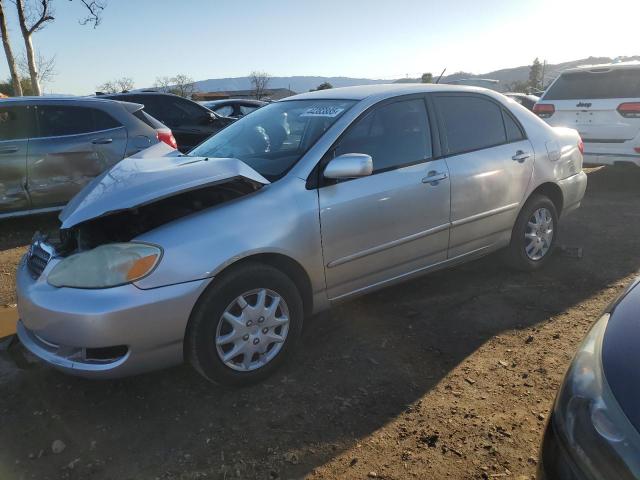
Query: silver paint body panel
350	237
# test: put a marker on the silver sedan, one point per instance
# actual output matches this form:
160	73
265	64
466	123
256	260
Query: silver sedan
217	256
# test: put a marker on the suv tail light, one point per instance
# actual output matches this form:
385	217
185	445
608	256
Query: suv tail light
165	135
544	110
629	110
581	146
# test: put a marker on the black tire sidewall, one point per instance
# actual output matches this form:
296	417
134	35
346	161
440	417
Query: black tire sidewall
203	324
517	254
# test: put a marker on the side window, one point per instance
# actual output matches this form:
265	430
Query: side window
514	132
225	110
470	123
58	120
178	112
393	135
16	123
104	121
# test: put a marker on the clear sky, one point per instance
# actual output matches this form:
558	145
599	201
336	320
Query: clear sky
144	39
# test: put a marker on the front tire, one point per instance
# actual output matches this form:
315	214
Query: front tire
245	325
535	234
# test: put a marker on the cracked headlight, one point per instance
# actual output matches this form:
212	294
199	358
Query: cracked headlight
106	266
590	420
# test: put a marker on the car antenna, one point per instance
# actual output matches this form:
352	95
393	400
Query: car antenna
438	80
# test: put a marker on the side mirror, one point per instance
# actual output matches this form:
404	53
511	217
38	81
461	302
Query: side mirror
349	165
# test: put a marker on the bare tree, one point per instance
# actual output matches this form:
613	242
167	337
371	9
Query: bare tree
33	18
46	68
33	15
94	15
118	85
163	84
181	85
11	61
259	81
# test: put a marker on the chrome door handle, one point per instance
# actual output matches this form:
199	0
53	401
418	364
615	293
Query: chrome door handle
101	141
520	156
6	150
434	177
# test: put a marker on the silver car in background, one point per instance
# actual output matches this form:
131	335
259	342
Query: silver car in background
51	147
217	256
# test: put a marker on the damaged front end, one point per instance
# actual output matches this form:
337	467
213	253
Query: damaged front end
125	225
146	191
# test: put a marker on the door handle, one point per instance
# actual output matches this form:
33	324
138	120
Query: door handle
7	150
434	177
520	156
101	141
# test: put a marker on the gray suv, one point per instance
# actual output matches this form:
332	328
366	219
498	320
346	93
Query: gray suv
51	147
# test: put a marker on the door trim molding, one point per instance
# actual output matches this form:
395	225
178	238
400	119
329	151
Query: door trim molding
488	213
422	270
388	245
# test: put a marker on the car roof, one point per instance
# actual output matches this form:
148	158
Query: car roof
384	90
54	98
635	64
233	100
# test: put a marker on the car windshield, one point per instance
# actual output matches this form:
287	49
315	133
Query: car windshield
273	138
621	83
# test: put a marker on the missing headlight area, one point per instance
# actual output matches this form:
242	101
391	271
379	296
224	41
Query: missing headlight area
124	225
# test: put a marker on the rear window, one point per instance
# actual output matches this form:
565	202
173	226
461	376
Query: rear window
147	119
591	85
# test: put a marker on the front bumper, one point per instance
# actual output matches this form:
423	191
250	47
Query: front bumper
142	329
555	461
573	190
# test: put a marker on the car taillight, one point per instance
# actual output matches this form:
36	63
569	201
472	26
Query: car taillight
544	110
581	146
165	135
629	110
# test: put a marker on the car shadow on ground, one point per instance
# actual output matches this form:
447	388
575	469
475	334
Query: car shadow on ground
359	367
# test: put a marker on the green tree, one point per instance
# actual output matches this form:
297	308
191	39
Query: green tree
324	86
426	78
6	87
535	75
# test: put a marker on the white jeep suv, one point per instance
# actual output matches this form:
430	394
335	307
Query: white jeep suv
602	102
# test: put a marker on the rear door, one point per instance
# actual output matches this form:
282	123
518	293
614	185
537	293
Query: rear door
16	124
73	145
589	100
395	221
491	163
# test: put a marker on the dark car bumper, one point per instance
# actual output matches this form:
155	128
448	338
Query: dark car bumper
555	462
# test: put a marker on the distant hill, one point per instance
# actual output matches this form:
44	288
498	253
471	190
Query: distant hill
300	84
507	76
297	84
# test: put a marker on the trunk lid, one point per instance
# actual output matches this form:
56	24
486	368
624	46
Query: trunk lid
151	175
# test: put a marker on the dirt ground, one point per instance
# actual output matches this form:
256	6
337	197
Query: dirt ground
448	376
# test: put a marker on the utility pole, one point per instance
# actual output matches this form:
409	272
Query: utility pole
544	66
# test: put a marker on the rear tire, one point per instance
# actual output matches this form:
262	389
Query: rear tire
534	236
233	338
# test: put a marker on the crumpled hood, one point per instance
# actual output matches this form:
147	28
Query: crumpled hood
153	174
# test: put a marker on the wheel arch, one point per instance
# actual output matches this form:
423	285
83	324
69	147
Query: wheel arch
284	263
553	192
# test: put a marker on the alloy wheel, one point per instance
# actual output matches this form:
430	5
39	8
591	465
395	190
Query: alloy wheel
539	234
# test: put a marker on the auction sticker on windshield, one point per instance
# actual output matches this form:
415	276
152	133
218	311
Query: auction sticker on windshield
322	111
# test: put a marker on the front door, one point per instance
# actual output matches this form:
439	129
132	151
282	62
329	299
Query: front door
491	164
16	124
396	221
